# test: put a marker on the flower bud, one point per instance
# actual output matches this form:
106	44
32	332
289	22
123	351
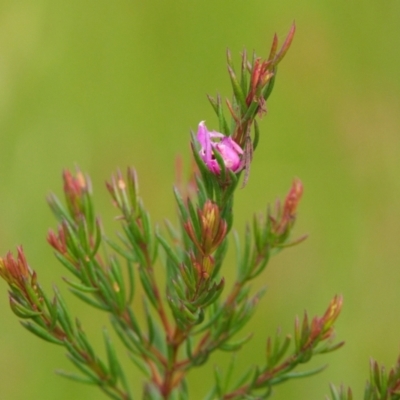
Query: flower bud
212	226
58	240
322	327
285	219
16	272
213	229
292	199
74	188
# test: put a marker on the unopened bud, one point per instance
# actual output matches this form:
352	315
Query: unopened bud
75	187
292	199
213	227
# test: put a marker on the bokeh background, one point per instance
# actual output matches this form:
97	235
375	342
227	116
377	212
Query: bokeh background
106	84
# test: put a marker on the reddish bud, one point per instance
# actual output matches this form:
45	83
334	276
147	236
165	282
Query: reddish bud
74	188
58	241
286	215
322	327
16	272
292	199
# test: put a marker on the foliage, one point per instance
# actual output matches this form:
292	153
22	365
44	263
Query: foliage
194	315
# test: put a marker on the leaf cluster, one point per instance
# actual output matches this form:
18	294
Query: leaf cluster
382	385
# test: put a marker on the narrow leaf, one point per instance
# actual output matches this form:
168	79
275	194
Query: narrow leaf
41	332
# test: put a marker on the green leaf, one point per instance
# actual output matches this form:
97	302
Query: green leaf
33	296
227	199
246	265
194	219
147	286
151	392
110	392
21	311
178	286
181	205
211	394
201	358
133	324
141	364
108	294
52	308
223	173
213	318
223	125
123	201
253	382
83	340
63	316
296	375
238	257
213	103
218	382
183	312
124	383
270	85
113	364
328	347
98	238
146	225
334	392
80	287
67	264
150	324
136	249
83	235
186	273
244	377
86	370
121	332
244	71
174	233
219	258
168	249
89	300
73	351
73	242
133	187
177	313
182	391
124	253
118	283
256	135
280	352
135	230
202	195
41	332
58	209
236	345
237	90
131	280
213	294
88	207
229	373
75	377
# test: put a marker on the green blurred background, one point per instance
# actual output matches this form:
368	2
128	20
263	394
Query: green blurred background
107	84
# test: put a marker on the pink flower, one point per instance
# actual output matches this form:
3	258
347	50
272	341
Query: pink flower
229	150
